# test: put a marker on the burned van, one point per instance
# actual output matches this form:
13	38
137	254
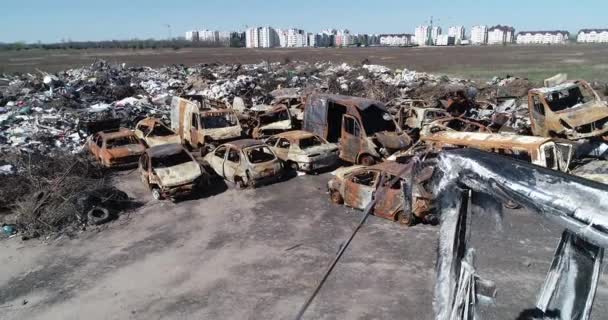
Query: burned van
363	128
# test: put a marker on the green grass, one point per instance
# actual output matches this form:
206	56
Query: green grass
535	74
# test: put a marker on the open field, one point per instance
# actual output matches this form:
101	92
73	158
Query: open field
257	254
535	62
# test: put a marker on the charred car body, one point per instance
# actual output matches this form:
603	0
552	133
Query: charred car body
391	185
170	171
364	129
571	109
203	123
152	132
245	163
303	150
116	148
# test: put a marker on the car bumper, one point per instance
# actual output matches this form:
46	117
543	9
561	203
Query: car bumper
318	164
267	180
183	190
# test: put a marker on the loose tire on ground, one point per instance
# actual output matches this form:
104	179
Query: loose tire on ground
98	215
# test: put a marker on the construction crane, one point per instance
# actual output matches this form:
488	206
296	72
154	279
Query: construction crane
168	26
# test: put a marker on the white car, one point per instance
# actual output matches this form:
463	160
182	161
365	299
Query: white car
304	151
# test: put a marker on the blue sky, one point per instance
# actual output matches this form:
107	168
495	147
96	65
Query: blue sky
53	20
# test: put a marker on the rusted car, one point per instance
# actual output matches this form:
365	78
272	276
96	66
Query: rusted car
545	152
454	124
571	110
246	163
417	118
356	186
116	148
304	151
365	131
152	132
275	120
202	123
170	171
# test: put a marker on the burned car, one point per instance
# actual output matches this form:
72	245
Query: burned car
116	148
152	132
275	120
364	129
572	110
170	171
418	118
246	163
304	151
386	182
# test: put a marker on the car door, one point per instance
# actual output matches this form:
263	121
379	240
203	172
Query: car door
232	164
537	113
389	197
282	149
194	130
359	188
143	168
216	161
350	140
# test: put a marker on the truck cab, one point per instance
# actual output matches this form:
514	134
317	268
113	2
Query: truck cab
202	123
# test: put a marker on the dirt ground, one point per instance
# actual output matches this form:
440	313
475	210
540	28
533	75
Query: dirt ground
257	254
535	62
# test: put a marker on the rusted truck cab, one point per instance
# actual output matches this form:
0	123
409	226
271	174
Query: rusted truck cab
203	123
363	128
571	110
115	148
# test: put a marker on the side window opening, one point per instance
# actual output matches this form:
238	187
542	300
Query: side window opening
351	126
99	141
233	156
538	106
194	121
550	157
366	178
144	162
220	152
284	143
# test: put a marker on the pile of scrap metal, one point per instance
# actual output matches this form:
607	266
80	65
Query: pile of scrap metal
469	177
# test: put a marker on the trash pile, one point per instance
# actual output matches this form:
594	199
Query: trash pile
58	193
43	112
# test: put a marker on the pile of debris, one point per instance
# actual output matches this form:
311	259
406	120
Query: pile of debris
44	194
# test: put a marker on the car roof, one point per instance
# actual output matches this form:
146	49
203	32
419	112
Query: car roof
165	150
295	135
112	134
244	143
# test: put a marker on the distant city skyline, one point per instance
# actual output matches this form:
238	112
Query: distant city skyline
54	21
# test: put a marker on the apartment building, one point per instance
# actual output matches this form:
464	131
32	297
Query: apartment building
422	35
445	40
542	37
592	36
209	36
296	38
435	32
395	40
458	32
501	34
343	38
479	35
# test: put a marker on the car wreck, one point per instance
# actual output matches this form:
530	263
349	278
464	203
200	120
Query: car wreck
416	119
571	110
202	123
389	185
304	151
115	148
470	178
152	132
170	171
275	120
364	129
246	163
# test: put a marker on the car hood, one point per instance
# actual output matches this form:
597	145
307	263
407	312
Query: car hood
157	141
584	114
125	151
393	140
223	133
179	174
317	150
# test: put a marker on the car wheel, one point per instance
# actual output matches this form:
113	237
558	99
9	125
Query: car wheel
511	205
294	166
336	197
156	194
366	160
404	218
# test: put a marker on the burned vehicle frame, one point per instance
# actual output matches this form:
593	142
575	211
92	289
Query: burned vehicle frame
470	177
303	151
389	185
364	129
153	132
571	110
116	148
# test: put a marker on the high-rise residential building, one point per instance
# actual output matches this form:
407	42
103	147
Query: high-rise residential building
252	37
224	37
423	35
479	35
296	38
501	34
192	35
261	37
592	36
209	36
435	32
282	34
457	32
343	38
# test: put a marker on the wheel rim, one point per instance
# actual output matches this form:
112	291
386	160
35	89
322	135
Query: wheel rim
367	160
156	194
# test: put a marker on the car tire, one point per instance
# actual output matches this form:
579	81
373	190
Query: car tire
404	218
98	215
367	160
156	194
511	205
336	197
294	166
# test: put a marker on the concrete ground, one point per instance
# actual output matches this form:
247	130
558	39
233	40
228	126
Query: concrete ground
257	254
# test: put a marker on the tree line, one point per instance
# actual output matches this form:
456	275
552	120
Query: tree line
121	44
